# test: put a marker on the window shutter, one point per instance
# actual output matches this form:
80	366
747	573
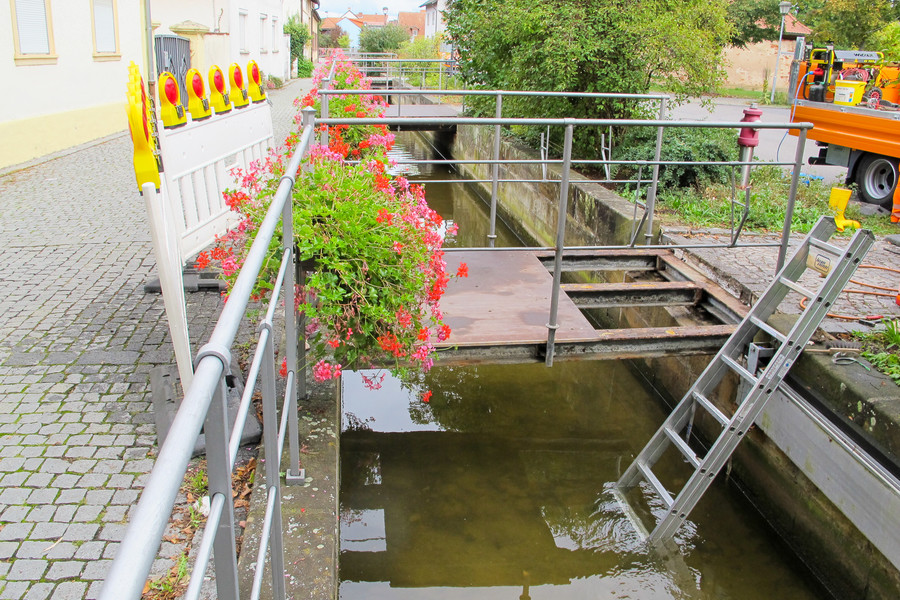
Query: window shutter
31	23
104	26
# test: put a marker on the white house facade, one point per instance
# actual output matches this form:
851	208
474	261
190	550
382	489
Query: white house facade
65	65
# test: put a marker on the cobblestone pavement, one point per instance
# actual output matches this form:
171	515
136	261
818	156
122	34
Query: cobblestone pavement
747	272
78	339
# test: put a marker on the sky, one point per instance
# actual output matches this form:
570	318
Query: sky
335	8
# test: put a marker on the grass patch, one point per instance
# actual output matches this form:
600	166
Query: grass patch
711	205
882	348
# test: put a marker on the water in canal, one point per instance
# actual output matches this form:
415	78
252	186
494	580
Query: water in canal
500	487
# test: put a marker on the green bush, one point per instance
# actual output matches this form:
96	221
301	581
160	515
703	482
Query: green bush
304	68
679	145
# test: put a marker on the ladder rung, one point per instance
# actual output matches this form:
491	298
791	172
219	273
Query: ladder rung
709	407
682	445
768	329
657	484
739	369
797	287
829	248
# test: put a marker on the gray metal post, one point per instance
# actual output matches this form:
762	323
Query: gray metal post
324	137
290	321
651	193
495	172
273	459
792	197
552	326
218	471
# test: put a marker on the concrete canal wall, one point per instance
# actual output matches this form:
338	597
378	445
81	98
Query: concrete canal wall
834	505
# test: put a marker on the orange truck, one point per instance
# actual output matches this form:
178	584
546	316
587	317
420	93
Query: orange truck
853	100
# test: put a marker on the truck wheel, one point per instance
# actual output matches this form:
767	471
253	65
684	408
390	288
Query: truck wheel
876	178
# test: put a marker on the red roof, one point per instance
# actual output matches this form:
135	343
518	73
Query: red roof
414	22
795	27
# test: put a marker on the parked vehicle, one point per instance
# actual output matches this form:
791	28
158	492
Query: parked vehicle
853	99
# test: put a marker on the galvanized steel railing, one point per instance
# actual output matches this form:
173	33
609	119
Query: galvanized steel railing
645	221
204	401
204	405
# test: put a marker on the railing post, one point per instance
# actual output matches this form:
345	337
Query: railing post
552	326
218	471
292	333
651	193
495	172
273	458
324	137
792	196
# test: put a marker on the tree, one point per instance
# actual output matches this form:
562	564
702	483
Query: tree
754	21
333	38
850	24
382	39
299	35
588	46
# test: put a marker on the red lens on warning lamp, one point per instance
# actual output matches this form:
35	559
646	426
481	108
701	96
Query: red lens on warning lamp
144	110
254	73
219	81
197	84
171	89
238	77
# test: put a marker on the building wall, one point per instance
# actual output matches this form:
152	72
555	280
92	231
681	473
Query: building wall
75	99
750	67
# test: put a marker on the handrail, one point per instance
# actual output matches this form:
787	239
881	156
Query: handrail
138	549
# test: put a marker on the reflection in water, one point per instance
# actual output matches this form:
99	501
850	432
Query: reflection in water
502	483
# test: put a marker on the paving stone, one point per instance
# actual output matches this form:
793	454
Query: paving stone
48	531
65	569
69	590
7	549
16	531
71	496
27	570
39	591
14	590
90	550
77	532
96	569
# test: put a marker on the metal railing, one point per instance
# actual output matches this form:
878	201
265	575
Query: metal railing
204	401
645	221
204	406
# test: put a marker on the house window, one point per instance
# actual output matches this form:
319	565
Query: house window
276	34
106	35
242	31
262	33
33	32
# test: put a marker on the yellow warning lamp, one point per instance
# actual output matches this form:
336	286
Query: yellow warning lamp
256	87
198	105
218	96
146	168
237	93
171	111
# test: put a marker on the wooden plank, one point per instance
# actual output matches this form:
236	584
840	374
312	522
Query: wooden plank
506	299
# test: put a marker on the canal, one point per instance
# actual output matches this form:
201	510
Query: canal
500	485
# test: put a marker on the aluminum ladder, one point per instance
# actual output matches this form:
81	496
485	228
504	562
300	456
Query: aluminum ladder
837	266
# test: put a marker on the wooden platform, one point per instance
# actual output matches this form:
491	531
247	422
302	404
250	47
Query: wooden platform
500	312
506	300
